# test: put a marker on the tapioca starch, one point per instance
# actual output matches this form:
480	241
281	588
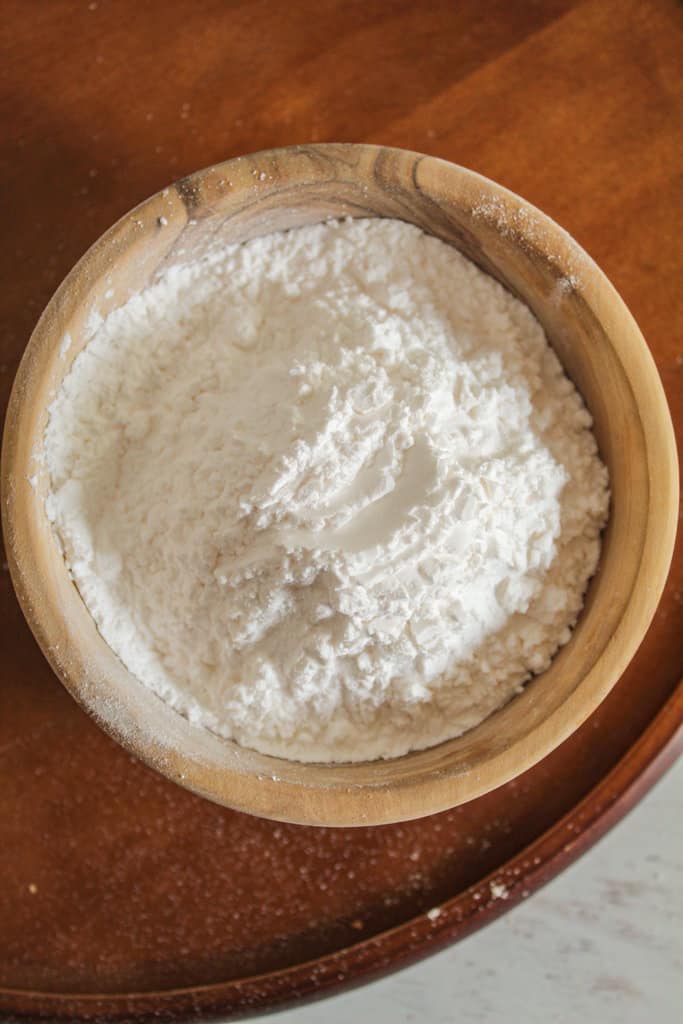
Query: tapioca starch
328	493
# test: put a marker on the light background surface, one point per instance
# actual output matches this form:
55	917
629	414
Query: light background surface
601	944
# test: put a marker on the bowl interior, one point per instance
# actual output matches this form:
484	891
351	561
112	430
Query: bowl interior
595	339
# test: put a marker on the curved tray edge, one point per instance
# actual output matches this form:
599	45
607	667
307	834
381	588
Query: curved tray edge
655	750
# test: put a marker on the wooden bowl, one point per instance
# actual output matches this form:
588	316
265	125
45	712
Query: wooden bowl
595	338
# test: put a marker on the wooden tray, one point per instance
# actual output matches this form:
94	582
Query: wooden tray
113	881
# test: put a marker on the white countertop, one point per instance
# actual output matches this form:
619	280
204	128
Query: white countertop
601	944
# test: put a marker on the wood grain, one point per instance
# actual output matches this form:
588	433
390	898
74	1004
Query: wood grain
577	106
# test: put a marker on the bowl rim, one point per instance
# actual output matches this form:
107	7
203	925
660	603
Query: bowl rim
266	792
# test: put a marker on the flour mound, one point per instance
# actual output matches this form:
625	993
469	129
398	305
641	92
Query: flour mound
328	493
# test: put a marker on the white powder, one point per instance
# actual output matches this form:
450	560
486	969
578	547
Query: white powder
329	492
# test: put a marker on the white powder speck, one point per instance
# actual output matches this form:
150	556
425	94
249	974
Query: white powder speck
328	492
65	345
528	226
499	891
434	914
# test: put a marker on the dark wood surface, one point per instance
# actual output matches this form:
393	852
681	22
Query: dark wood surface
113	880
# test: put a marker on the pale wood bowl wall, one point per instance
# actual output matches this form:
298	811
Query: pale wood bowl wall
594	336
